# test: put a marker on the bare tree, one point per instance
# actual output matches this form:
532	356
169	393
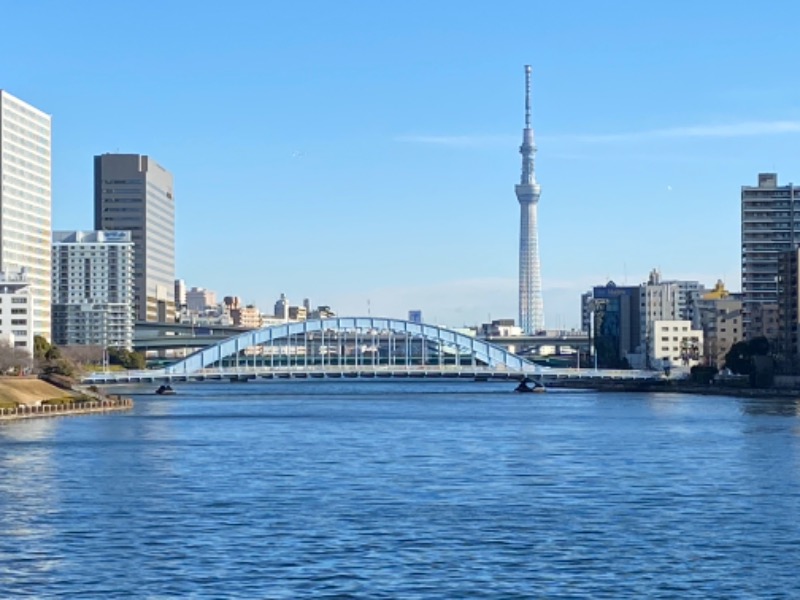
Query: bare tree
13	359
82	355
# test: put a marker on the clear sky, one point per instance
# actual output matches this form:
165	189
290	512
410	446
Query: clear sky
364	154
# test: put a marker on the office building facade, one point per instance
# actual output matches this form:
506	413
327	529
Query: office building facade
616	331
93	289
134	193
25	201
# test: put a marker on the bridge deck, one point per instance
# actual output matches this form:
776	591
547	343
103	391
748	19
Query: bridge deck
353	372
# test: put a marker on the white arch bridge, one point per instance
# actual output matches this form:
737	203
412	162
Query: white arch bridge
361	347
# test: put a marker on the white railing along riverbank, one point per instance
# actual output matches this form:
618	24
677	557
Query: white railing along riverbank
82	408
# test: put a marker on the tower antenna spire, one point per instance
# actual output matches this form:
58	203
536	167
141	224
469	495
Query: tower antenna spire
527	96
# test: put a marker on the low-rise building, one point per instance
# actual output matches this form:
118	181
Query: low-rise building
322	312
247	316
500	328
16	310
675	344
298	313
719	314
199	299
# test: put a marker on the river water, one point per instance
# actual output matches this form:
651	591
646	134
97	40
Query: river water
403	490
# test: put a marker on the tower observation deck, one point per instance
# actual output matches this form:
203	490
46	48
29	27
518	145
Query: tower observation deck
531	304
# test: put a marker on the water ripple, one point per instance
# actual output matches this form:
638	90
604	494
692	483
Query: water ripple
377	491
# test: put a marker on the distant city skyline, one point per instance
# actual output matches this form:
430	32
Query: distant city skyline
360	156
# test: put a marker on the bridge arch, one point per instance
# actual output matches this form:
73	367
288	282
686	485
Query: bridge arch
488	354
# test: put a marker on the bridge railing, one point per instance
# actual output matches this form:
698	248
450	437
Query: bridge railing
464	370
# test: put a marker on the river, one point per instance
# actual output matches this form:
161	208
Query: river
403	490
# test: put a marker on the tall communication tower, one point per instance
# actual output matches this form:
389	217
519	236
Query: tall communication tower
531	304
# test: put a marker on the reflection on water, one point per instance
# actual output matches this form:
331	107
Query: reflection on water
29	494
782	407
376	490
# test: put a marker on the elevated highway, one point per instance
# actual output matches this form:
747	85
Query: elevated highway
186	336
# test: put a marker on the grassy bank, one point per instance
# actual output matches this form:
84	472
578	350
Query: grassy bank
31	391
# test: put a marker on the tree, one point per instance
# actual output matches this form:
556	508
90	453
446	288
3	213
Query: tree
126	359
40	347
738	359
752	358
758	346
83	355
137	361
61	366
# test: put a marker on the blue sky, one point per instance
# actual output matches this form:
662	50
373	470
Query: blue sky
364	154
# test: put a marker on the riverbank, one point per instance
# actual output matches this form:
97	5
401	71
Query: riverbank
31	397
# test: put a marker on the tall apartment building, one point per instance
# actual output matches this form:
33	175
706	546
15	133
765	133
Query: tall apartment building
25	201
93	288
132	192
16	310
770	225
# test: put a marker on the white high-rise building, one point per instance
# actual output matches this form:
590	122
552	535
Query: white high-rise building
531	304
93	288
25	201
